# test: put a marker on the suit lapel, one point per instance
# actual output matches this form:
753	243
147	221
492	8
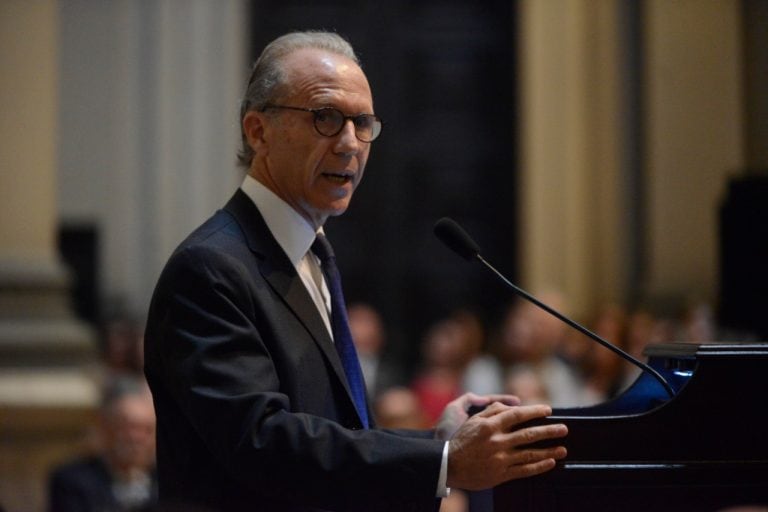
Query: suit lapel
277	270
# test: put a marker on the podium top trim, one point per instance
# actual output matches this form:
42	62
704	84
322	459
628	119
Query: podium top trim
707	350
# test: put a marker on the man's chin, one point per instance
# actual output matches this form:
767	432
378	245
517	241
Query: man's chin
337	212
337	208
318	216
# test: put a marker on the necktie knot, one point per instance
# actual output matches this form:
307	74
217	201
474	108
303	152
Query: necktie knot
322	248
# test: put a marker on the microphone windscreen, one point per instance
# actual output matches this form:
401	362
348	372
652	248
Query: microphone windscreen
452	235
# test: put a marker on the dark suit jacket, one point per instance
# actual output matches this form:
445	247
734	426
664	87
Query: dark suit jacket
253	410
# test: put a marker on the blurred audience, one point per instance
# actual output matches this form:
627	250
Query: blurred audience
533	337
523	381
641	330
119	476
369	336
538	357
605	371
443	359
399	407
123	346
481	370
698	323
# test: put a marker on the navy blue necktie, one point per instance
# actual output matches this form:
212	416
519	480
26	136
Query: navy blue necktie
342	337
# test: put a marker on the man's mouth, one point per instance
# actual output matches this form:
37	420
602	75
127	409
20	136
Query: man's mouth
339	177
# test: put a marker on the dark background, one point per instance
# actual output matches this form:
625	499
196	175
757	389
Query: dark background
443	80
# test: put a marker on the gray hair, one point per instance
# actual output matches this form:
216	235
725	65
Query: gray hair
267	82
119	387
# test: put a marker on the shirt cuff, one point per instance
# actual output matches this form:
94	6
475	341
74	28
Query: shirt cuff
442	490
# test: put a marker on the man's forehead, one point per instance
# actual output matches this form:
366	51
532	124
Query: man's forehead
316	61
318	73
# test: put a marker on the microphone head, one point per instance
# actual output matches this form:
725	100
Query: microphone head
452	235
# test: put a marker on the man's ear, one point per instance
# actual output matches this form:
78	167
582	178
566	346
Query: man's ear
253	129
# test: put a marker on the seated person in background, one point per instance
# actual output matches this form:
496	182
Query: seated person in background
370	338
438	382
604	371
123	350
481	372
531	336
121	476
524	382
398	407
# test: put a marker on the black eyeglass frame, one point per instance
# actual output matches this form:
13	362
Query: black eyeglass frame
317	111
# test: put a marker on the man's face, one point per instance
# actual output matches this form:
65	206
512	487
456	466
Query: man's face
313	173
129	428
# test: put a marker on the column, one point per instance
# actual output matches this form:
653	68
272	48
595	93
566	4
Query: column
572	236
694	139
46	397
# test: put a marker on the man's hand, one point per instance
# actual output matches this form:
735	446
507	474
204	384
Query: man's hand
485	451
457	412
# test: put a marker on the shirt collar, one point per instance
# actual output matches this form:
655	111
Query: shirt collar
292	232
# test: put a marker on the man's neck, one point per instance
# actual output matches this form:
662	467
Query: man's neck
257	173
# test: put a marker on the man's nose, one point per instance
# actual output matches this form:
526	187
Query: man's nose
347	142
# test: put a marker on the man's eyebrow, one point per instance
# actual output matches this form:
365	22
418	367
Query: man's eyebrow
331	101
342	110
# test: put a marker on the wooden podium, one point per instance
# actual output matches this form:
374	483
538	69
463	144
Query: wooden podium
706	449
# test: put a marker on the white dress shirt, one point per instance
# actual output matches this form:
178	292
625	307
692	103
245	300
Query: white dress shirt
295	236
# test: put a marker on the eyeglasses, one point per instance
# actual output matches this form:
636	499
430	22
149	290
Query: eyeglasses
329	122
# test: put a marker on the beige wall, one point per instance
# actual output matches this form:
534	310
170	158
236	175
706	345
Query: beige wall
149	95
28	130
694	138
572	239
574	201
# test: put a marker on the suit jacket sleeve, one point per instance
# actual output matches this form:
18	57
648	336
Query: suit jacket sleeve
219	356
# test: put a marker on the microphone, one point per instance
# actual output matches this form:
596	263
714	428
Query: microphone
453	236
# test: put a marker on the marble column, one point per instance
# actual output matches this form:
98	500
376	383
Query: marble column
694	133
46	393
572	236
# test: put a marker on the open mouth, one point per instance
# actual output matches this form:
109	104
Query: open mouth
338	177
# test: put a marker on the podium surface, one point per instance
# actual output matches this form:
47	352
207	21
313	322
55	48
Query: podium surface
705	449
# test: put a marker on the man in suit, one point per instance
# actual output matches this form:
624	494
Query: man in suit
121	476
256	400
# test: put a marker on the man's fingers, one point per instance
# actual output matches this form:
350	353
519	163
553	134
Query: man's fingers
516	415
493	409
531	435
489	399
532	456
474	404
532	469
